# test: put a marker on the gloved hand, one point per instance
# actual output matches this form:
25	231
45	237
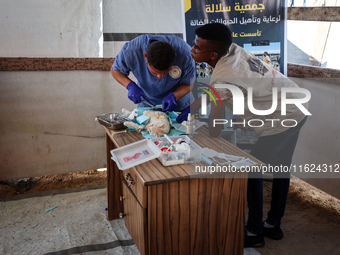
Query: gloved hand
184	115
169	103
135	94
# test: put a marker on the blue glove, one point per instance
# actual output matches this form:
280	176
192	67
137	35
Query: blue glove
169	103
184	115
135	94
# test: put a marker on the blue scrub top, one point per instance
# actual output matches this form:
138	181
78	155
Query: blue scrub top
131	59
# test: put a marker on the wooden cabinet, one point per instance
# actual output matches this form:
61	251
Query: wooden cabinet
170	210
195	216
135	219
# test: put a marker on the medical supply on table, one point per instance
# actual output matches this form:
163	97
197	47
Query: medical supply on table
223	158
120	132
243	163
135	154
208	161
145	101
169	140
190	130
184	150
181	150
113	121
182	127
182	146
178	141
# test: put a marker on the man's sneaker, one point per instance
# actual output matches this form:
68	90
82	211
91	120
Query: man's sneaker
274	233
253	241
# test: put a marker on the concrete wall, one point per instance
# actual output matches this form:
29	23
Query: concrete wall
51	28
319	141
47	118
47	121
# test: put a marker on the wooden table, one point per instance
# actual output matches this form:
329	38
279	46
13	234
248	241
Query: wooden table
167	210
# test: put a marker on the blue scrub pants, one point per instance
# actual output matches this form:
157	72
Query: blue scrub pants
275	150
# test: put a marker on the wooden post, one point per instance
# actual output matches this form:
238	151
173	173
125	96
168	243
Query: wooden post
114	184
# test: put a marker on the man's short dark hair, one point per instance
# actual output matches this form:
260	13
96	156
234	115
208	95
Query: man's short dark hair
218	34
161	55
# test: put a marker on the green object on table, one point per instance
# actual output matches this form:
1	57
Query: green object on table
142	120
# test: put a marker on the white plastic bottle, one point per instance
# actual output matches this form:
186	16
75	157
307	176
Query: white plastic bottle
190	131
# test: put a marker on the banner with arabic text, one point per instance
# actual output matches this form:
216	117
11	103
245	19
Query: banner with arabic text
256	25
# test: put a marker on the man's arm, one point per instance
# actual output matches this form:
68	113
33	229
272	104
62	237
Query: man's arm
217	112
196	105
135	94
120	77
181	91
188	74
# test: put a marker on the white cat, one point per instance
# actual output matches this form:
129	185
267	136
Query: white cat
158	124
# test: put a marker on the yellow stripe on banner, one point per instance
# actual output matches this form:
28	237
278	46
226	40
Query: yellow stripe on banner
187	5
208	92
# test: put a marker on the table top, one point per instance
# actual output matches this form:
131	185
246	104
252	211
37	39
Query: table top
153	172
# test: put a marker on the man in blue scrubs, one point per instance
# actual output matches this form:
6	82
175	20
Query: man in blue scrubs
163	67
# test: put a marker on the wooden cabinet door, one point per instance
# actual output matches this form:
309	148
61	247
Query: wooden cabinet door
135	219
197	217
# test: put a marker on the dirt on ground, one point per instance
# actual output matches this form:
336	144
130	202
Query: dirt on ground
311	224
53	183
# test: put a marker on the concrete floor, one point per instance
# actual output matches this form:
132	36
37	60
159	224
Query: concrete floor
77	225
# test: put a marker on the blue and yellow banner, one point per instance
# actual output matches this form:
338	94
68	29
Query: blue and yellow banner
257	25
